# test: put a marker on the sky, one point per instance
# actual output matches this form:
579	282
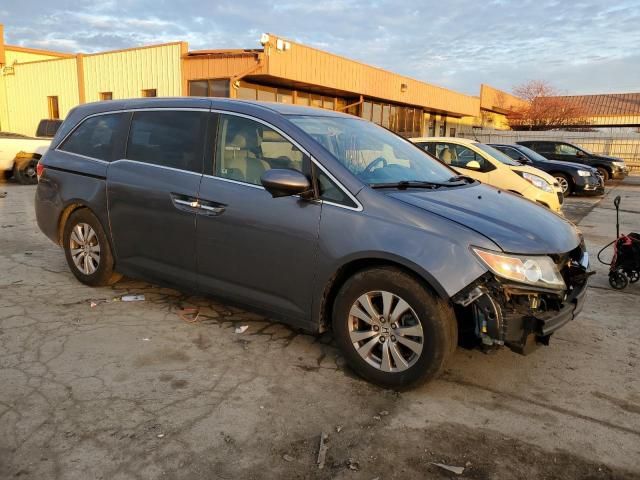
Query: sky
579	47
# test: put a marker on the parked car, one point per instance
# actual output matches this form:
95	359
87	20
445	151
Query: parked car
490	166
609	167
572	177
318	218
19	154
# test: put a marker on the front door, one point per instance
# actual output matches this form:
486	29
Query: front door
464	160
152	195
253	248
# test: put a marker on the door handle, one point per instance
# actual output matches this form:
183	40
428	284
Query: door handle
211	210
187	203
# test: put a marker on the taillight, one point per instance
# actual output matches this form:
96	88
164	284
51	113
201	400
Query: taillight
39	170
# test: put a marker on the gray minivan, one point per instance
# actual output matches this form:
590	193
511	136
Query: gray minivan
320	219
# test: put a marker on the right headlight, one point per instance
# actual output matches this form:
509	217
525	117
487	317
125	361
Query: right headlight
584	173
537	181
538	270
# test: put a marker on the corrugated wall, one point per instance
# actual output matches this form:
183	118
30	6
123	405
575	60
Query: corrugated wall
126	73
13	56
308	65
218	66
29	86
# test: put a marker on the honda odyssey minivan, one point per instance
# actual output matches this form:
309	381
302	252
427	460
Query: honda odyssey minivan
321	219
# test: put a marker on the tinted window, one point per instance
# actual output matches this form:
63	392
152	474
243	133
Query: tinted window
543	147
170	139
512	152
48	128
330	192
246	149
97	137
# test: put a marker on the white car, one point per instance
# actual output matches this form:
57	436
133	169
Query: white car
19	154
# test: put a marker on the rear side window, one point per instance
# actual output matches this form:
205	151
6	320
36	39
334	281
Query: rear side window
97	137
172	139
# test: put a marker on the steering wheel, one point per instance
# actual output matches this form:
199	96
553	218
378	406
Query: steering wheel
369	168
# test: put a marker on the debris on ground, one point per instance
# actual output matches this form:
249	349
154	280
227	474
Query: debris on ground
189	314
132	298
146	339
377	417
3	194
288	458
242	328
339	428
322	450
383	413
353	465
450	468
160	435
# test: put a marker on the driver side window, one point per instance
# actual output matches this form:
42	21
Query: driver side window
460	156
246	149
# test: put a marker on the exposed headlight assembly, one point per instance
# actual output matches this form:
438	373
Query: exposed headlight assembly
584	173
538	270
619	164
537	181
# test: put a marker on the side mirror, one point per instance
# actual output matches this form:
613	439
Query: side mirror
580	153
523	159
473	165
284	182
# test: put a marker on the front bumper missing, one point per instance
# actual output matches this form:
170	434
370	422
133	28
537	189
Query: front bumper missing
522	317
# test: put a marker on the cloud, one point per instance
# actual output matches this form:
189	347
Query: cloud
578	46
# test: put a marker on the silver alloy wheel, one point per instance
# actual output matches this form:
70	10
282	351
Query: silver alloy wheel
385	331
564	184
85	248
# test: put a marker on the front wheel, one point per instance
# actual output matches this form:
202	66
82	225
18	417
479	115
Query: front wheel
87	249
565	183
392	330
604	173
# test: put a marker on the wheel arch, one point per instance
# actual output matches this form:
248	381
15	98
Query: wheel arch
70	208
353	266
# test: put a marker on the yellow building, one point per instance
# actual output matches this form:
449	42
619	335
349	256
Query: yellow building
37	84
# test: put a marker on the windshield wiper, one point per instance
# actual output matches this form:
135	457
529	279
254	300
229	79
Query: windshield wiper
404	184
459	178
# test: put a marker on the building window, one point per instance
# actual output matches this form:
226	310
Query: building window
150	92
106	95
209	88
54	109
284	96
452	132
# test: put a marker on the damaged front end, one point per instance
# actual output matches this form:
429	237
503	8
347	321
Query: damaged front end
497	310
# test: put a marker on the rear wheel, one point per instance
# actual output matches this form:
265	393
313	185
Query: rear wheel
391	329
87	249
604	173
565	183
24	171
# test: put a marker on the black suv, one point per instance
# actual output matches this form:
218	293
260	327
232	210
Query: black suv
609	167
572	177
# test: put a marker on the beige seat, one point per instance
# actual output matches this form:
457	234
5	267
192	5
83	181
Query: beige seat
240	163
446	156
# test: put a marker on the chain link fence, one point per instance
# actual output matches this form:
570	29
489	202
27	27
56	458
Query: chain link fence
622	143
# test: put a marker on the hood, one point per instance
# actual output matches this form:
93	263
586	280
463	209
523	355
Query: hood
605	157
577	166
513	223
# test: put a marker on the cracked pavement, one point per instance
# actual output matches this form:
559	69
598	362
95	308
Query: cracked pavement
129	390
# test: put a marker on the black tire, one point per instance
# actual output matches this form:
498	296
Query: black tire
24	171
618	280
436	317
560	177
104	273
604	172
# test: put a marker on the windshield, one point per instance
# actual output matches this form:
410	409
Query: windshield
497	154
532	155
371	153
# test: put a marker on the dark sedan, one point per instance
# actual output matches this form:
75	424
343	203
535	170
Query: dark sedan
572	177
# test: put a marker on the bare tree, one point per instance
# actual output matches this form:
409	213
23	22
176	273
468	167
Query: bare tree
543	108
